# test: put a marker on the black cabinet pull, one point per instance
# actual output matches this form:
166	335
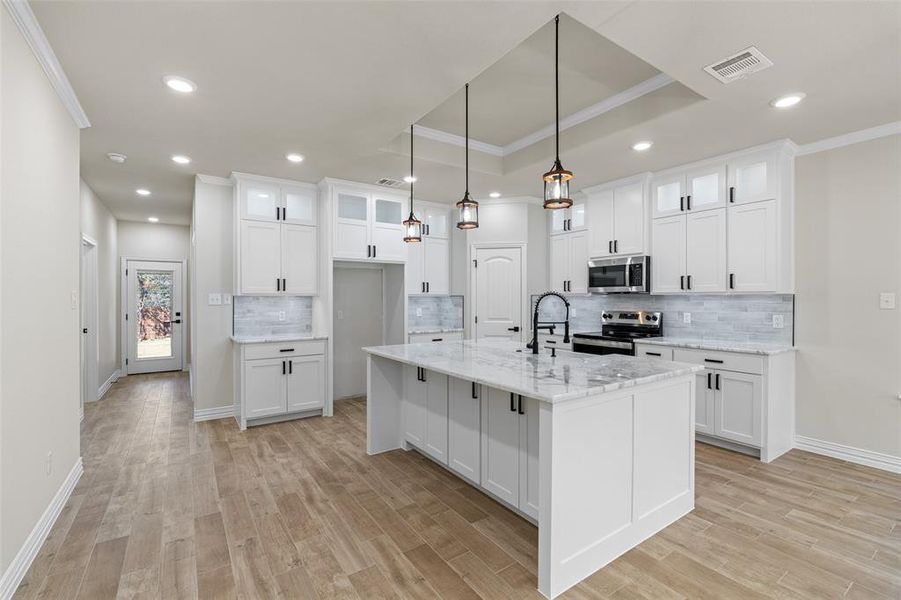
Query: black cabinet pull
653	353
731	281
423	287
713	360
616	246
708	380
287	350
688	202
610	247
474	395
681	202
681	282
278	284
512	403
277	217
717	381
374	250
428	287
284	284
423	375
732	194
437	339
514	328
689	281
283	367
368	251
521	411
290	367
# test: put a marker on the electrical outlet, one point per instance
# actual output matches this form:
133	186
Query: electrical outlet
49	463
340	315
887	300
281	315
778	321
686	317
418	312
215	299
226	298
73	300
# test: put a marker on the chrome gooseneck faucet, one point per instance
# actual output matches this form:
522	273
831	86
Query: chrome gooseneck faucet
549	325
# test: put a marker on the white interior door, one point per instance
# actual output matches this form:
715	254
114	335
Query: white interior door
89	355
154	320
498	293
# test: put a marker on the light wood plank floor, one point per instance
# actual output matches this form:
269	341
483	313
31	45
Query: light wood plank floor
169	508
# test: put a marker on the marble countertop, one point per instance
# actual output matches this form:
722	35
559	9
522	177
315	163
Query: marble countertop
569	376
435	330
720	345
274	339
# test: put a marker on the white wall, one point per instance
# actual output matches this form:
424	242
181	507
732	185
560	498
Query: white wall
358	322
162	242
98	223
848	225
39	317
213	251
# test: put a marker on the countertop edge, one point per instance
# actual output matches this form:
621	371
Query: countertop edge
724	346
275	340
435	330
685	369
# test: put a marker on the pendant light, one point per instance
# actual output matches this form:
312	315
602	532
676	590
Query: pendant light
467	207
556	181
412	226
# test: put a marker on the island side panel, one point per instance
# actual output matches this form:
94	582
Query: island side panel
384	397
605	465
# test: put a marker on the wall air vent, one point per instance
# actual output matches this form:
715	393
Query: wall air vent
740	65
390	182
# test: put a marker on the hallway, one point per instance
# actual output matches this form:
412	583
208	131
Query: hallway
171	508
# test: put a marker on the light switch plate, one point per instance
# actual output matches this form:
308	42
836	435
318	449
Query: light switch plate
778	321
215	299
226	298
887	300
281	315
686	317
418	312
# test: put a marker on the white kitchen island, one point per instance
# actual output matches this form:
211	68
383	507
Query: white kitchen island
597	450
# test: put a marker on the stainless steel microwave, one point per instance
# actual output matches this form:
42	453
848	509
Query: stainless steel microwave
620	275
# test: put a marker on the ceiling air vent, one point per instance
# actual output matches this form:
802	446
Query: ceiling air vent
750	60
389	182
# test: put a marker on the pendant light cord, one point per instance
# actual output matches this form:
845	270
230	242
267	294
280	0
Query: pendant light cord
467	139
411	168
557	81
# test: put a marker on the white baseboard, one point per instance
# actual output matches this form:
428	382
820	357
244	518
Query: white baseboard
20	564
208	414
108	383
859	456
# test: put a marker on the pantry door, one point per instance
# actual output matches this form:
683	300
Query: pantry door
153	320
498	291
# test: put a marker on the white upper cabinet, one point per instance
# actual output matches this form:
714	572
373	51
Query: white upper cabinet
263	200
260	201
300	265
668	262
299	205
617	218
260	258
753	178
573	218
436	272
569	263
753	238
387	228
352	226
436	219
368	225
705	188
668	195
705	256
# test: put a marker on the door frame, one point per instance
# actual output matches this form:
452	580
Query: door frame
472	250
90	363
123	307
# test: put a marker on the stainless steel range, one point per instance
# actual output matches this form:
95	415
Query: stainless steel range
618	331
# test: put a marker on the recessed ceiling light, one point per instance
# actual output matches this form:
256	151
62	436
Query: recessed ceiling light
142	192
642	146
495	194
294	157
180	84
116	157
410	179
787	100
153	219
181	159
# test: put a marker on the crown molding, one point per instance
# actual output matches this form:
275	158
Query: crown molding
855	137
457	140
24	18
213	180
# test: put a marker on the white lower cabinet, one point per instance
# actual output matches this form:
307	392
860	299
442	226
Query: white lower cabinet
704	402
465	429
737	407
529	489
278	379
500	445
425	411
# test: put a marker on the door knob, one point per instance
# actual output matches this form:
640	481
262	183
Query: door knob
514	328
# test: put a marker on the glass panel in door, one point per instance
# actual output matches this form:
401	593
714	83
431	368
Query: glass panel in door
668	197
154	317
260	201
299	205
577	216
707	188
388	212
353	207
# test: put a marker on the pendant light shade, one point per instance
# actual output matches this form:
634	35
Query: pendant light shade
556	181
467	208
412	226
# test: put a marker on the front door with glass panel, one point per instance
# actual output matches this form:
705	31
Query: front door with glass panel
155	321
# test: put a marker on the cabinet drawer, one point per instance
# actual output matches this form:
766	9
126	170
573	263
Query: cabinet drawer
729	361
654	352
284	349
419	338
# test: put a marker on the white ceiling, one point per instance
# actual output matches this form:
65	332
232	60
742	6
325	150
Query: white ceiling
339	81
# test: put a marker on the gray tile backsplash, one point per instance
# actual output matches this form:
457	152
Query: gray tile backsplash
733	318
437	312
258	316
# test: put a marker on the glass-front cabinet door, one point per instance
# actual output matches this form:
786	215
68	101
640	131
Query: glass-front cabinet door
299	205
706	188
260	201
437	221
352	225
753	178
387	228
668	195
